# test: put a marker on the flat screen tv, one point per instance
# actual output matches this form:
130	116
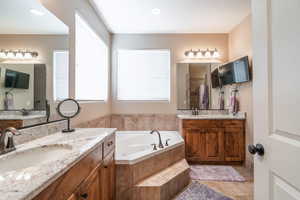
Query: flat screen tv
215	79
14	79
235	72
241	70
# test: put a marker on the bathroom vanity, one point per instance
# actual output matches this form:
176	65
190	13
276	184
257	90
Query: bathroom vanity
75	166
213	139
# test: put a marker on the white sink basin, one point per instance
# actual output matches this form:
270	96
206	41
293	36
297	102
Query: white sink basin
33	157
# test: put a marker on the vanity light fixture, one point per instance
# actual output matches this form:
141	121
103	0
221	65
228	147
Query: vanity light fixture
202	54
19	54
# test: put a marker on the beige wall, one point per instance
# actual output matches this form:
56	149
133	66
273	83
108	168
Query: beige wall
65	11
178	44
240	44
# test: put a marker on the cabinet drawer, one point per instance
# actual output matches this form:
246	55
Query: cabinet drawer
233	123
203	123
109	145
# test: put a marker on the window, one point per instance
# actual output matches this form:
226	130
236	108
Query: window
143	75
91	78
61	75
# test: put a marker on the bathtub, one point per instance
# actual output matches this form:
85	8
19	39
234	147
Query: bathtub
136	146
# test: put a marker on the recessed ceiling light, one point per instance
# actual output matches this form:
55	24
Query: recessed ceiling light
155	11
37	12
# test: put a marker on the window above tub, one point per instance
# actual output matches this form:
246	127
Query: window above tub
143	75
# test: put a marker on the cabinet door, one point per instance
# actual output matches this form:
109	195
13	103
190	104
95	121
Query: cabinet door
205	144
234	144
108	177
90	188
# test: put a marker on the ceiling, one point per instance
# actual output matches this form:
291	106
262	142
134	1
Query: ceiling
176	16
16	18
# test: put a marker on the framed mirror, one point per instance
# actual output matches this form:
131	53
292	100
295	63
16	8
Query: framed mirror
196	87
34	63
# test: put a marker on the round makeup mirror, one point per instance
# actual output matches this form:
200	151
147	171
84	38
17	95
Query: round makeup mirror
68	108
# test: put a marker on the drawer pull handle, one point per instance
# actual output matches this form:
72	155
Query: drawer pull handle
110	143
84	195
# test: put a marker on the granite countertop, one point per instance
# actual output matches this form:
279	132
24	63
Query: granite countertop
240	116
20	117
26	183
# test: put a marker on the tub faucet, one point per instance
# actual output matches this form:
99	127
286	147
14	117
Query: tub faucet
160	144
9	146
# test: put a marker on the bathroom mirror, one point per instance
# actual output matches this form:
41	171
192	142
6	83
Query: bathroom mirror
34	63
68	109
194	87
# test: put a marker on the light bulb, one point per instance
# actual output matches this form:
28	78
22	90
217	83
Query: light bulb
216	54
10	54
19	55
27	55
199	54
191	54
207	54
2	54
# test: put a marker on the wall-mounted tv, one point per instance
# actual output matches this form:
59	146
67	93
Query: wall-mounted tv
14	79
235	72
215	79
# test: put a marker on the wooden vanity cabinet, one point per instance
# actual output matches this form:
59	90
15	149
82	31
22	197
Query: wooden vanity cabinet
214	141
92	178
108	179
10	123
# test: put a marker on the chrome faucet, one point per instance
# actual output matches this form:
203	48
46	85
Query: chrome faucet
160	144
6	147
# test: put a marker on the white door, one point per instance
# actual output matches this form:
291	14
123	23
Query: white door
276	91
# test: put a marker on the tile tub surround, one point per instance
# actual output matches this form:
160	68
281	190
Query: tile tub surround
101	122
129	175
132	122
36	132
25	184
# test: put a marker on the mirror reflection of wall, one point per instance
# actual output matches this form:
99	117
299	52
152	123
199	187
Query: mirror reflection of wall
22	86
194	86
26	26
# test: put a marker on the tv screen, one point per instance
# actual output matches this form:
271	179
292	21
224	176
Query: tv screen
235	72
215	79
14	79
241	70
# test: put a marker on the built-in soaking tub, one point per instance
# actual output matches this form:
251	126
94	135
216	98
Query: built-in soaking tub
136	160
136	146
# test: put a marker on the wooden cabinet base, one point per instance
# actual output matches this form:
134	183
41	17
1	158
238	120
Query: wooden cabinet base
214	141
92	178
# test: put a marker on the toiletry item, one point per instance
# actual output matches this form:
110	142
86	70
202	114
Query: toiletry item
8	101
222	101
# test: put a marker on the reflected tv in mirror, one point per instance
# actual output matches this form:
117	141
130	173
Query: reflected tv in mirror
215	79
14	79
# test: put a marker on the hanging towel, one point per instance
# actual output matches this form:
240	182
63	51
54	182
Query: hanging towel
205	99
222	101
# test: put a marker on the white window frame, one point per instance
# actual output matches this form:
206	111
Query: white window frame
168	100
106	99
54	75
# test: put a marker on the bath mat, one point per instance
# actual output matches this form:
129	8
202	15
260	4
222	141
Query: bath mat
197	191
215	173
